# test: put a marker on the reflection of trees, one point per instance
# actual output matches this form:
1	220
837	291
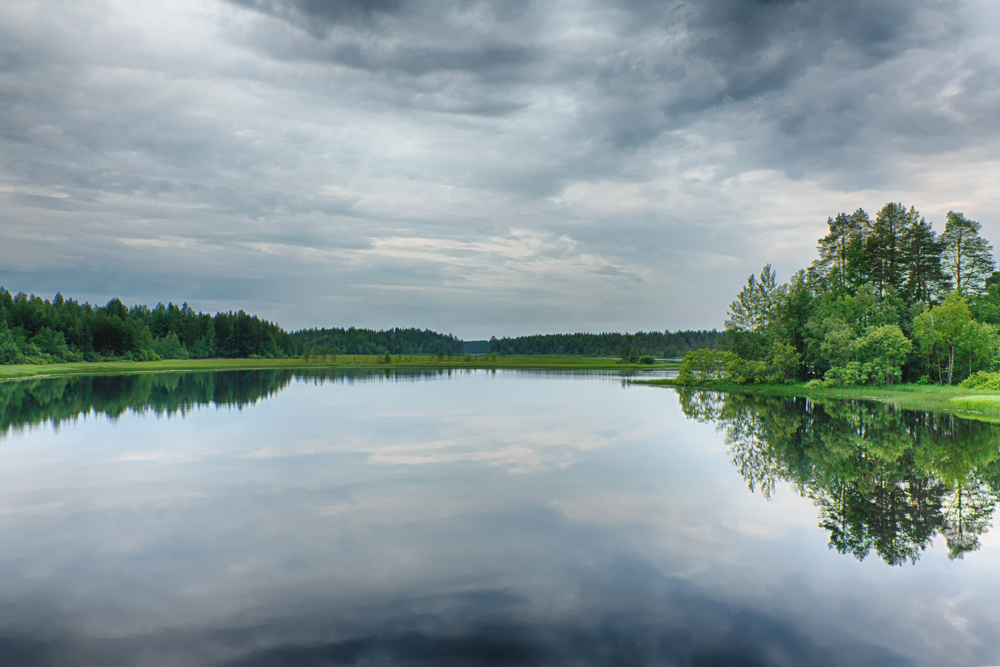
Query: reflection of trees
55	400
968	514
884	479
30	402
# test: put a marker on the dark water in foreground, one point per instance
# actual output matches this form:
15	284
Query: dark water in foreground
272	518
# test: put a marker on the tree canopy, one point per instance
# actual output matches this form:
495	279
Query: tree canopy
37	330
886	300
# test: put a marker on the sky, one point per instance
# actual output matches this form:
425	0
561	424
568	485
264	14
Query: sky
477	168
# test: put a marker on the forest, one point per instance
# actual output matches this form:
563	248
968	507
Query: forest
652	343
36	330
367	341
886	300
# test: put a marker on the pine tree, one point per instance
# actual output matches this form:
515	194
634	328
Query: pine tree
885	246
924	276
968	257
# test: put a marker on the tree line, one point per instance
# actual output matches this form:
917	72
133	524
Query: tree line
642	343
886	300
37	330
381	342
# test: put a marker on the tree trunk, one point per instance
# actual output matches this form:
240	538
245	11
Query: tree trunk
951	362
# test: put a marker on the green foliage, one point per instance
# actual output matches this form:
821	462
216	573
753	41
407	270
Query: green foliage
627	353
170	347
653	343
783	363
875	308
647	360
882	351
747	371
64	330
367	341
967	256
982	380
10	353
705	366
751	312
948	335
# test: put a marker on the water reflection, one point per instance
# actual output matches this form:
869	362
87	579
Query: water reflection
427	519
56	400
884	479
33	402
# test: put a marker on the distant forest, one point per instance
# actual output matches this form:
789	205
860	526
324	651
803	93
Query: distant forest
651	343
34	330
366	341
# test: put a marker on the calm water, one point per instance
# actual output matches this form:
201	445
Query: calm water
267	518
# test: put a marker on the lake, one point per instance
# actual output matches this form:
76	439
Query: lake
486	518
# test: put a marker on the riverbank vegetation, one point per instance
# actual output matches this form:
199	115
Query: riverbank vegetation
887	300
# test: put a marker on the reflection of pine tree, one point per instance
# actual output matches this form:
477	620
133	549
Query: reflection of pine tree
884	480
896	517
967	515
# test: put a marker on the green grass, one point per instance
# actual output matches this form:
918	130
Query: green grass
974	403
978	403
343	361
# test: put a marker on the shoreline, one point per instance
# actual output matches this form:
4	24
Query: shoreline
973	403
33	371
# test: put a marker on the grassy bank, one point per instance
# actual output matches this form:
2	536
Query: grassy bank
978	403
13	372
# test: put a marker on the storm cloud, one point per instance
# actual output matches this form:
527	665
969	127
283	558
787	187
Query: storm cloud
483	168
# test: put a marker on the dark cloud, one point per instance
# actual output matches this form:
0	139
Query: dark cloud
318	15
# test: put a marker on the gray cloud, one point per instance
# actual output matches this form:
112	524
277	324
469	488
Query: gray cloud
509	167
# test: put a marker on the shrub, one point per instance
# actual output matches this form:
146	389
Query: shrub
982	380
784	363
10	353
705	366
850	374
647	360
